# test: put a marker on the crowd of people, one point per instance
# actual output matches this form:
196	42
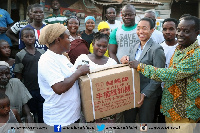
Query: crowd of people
40	85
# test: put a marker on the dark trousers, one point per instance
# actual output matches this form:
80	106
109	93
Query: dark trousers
158	116
146	112
36	105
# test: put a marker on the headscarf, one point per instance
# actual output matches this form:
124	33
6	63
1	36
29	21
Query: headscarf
3	63
89	17
51	32
103	25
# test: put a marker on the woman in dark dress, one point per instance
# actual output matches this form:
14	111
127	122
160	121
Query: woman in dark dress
88	33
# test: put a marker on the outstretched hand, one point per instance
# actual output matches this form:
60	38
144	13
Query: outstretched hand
124	59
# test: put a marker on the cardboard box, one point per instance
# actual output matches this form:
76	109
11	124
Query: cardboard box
113	90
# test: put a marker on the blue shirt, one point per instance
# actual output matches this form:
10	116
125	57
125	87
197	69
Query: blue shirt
5	20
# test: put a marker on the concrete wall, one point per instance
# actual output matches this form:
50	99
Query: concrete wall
163	11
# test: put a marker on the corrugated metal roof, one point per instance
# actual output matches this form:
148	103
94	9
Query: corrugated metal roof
142	2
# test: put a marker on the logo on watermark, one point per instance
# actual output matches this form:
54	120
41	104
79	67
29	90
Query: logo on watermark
143	127
57	128
100	128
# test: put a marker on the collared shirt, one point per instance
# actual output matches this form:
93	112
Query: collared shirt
181	94
139	51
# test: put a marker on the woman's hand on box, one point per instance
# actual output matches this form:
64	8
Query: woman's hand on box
84	69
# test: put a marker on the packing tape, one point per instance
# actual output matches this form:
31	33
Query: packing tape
92	95
133	86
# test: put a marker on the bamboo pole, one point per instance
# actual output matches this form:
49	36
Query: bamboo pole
9	7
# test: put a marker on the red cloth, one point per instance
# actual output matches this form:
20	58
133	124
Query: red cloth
78	47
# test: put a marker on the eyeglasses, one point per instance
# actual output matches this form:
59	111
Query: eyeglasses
128	15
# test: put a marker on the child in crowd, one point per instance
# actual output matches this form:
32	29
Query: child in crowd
5	52
98	60
26	70
8	117
37	11
104	28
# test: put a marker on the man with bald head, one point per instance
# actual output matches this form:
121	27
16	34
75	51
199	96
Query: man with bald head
124	36
157	36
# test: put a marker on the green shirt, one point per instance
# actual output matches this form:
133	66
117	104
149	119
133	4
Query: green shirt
181	94
113	39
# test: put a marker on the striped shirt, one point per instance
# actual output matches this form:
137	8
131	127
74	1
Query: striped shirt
52	19
19	25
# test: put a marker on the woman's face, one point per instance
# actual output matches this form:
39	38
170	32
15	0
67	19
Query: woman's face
90	24
143	30
5	49
65	41
100	46
105	31
73	25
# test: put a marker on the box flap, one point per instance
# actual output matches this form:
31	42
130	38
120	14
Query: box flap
109	67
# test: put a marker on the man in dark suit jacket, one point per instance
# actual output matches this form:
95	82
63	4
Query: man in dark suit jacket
148	52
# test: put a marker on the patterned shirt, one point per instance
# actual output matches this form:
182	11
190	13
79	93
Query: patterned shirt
181	95
52	19
19	25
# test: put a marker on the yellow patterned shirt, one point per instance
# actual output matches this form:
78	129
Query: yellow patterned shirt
181	94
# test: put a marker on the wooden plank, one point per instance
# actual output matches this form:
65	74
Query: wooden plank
9	7
120	1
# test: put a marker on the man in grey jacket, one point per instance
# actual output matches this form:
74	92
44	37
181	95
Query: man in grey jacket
148	52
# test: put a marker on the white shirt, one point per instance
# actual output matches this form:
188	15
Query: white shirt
169	51
157	36
80	61
114	26
58	109
198	38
